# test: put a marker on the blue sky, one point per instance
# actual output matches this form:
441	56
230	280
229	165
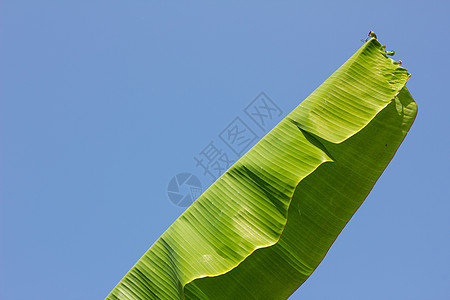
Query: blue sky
103	102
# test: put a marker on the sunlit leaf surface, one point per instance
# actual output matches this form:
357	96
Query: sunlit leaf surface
263	227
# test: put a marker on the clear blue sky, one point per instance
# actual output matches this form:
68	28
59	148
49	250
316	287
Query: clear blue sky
102	102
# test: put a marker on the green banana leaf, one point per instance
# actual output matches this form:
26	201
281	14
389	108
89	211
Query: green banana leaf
263	227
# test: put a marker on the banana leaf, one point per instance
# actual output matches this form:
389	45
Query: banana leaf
265	225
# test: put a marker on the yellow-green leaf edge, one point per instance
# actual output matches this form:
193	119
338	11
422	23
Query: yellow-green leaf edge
263	227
